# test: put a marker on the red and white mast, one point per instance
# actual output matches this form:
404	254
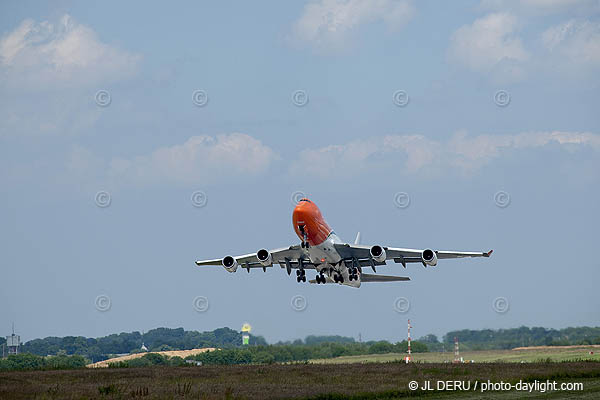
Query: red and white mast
456	353
408	357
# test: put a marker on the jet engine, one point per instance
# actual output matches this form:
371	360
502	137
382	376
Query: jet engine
230	263
377	253
429	257
264	257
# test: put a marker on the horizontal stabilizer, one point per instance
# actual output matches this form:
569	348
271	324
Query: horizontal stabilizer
382	278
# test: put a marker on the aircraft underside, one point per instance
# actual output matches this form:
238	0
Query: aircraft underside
331	267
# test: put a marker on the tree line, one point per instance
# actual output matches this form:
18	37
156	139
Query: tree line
160	339
277	353
488	339
26	361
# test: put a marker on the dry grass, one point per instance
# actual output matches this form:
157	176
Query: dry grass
272	381
522	354
572	347
171	353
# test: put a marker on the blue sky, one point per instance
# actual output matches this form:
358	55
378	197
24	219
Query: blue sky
350	148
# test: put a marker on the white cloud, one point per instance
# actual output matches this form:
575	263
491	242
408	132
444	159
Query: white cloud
574	43
64	53
329	22
490	45
420	154
201	159
542	7
473	152
350	158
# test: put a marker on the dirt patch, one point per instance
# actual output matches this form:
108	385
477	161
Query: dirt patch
172	353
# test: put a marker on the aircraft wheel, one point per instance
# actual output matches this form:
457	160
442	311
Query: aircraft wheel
303	278
341	279
355	277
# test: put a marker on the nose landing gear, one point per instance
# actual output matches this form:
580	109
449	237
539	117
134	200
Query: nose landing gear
304	244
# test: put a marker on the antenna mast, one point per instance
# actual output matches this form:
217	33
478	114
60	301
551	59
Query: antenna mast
408	357
456	353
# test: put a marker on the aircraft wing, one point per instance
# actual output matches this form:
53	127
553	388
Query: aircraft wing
402	256
289	257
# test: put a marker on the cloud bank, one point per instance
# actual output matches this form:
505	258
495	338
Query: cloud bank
416	153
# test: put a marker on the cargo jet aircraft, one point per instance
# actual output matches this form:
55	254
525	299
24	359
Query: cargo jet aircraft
334	261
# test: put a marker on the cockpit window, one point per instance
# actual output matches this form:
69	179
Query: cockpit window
307	200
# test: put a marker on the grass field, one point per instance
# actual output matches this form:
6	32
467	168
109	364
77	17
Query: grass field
532	354
315	381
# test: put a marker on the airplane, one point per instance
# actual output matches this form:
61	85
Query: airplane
334	261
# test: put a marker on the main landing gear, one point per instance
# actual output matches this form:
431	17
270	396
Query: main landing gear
353	274
301	275
338	278
321	278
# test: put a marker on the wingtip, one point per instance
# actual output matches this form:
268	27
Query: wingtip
197	262
489	253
